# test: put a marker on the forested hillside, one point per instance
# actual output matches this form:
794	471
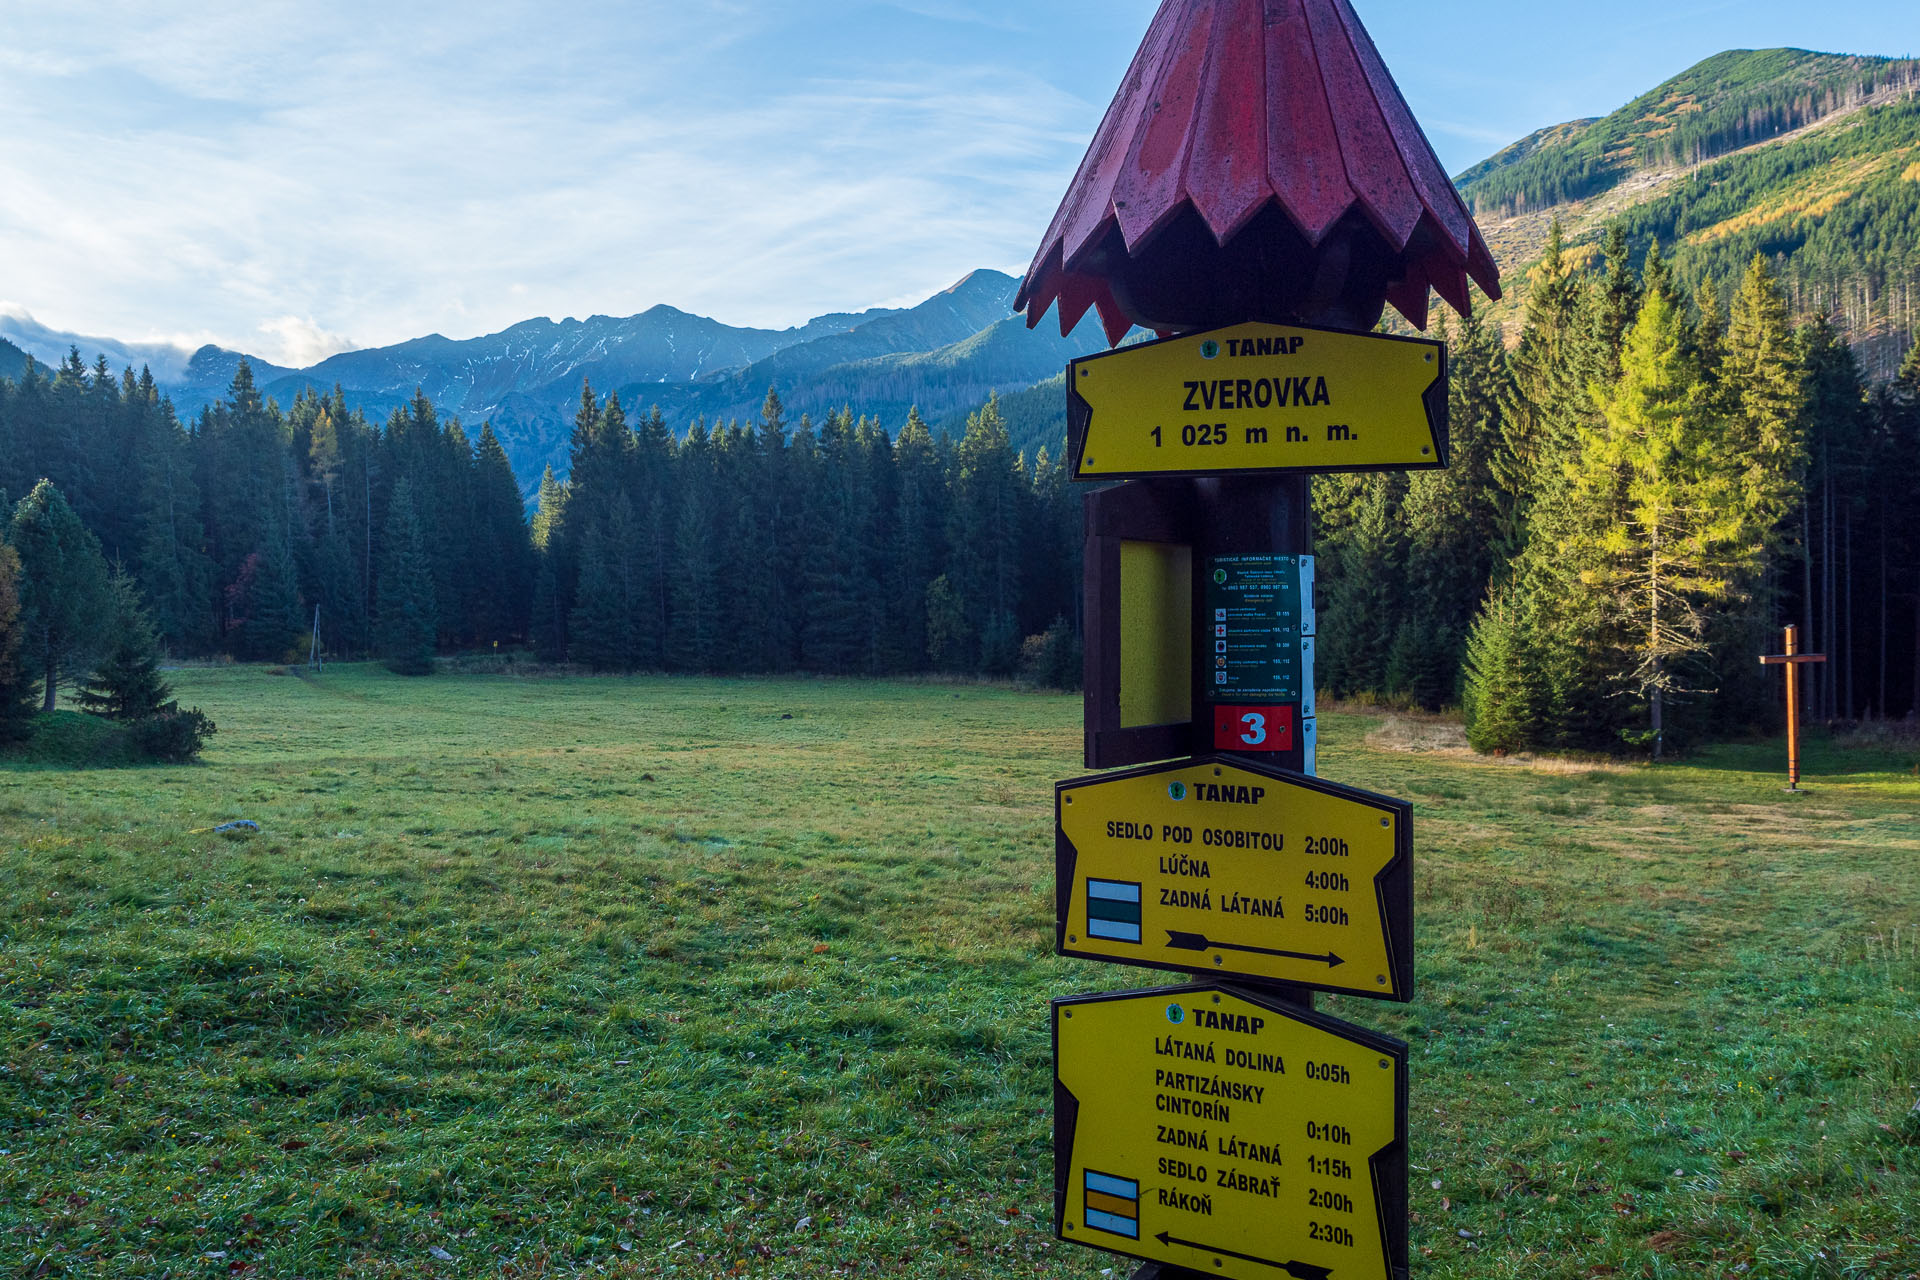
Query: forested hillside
1036	418
13	361
1730	101
1812	160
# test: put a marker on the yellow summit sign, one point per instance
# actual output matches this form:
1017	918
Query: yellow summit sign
1212	1129
1259	398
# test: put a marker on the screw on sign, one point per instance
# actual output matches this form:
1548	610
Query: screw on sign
1257	194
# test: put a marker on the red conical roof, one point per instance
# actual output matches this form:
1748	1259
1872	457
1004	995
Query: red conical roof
1257	148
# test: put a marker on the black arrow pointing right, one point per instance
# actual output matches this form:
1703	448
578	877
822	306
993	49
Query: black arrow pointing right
1298	1270
1199	942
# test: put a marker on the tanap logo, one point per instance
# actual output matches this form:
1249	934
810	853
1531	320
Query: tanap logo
1209	349
1176	1015
1177	791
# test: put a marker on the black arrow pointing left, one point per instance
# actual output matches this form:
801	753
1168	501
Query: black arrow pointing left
1298	1270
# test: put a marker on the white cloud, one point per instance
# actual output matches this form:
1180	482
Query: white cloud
388	171
299	343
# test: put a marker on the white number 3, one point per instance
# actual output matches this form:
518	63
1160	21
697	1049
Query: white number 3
1256	733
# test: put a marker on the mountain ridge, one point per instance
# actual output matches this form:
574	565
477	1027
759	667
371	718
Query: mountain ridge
945	353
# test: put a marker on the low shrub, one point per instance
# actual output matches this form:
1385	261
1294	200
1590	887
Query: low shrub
172	736
1051	660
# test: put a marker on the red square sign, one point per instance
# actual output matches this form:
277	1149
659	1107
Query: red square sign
1253	728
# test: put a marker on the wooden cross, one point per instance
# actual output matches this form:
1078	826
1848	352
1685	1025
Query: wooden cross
1793	660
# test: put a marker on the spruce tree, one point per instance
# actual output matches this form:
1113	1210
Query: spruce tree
1365	595
171	566
1764	393
1506	699
1679	539
1547	398
984	557
1768	429
126	683
744	484
499	552
64	597
695	589
601	630
408	614
1616	303
17	685
918	553
1559	624
833	617
547	618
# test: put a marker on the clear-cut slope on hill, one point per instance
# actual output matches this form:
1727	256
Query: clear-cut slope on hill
1811	160
1732	100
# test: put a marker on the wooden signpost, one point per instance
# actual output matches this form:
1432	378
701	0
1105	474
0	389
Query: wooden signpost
1257	194
1793	660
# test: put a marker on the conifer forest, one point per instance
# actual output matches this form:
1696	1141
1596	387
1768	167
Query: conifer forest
1649	481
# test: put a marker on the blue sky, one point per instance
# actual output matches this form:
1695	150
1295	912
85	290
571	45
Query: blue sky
294	178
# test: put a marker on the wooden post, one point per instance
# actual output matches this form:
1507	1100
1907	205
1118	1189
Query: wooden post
1793	711
1793	660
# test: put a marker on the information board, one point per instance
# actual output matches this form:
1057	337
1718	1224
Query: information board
1259	620
1209	1128
1213	867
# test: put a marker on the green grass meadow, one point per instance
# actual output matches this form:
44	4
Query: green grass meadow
701	978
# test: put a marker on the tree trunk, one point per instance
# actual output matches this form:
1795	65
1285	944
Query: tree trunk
1849	706
1659	723
1806	574
1655	639
53	671
1828	638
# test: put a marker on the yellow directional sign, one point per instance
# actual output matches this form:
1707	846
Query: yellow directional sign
1206	866
1208	1128
1259	398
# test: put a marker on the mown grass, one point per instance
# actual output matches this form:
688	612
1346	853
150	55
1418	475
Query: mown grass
544	978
